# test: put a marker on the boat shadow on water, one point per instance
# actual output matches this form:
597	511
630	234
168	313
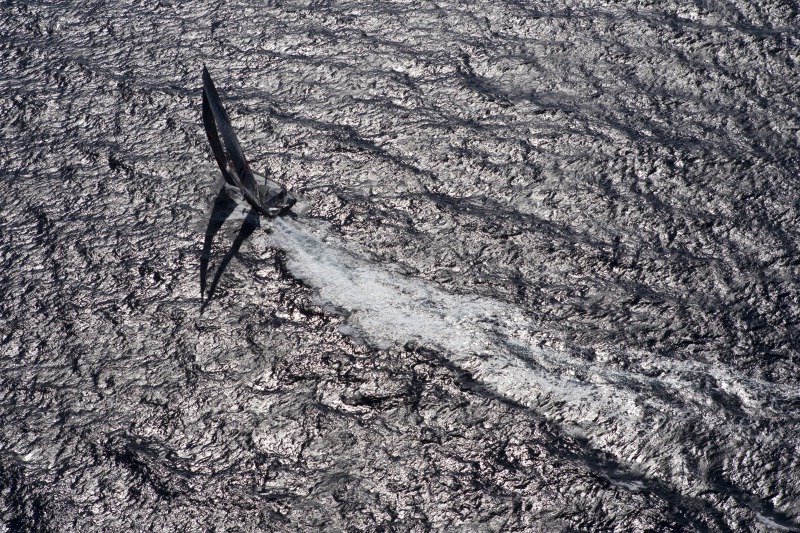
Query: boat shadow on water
224	207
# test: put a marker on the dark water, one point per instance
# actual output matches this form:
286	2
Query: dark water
544	274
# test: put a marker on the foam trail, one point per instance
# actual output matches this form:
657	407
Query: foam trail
631	415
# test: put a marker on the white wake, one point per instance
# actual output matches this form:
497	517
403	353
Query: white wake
636	416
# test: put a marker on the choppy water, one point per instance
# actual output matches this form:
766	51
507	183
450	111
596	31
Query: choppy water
548	253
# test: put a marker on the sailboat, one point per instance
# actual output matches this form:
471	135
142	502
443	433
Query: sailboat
267	197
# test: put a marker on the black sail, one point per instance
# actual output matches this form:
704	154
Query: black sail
226	148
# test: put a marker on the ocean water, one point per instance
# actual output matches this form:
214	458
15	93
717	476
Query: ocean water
543	275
